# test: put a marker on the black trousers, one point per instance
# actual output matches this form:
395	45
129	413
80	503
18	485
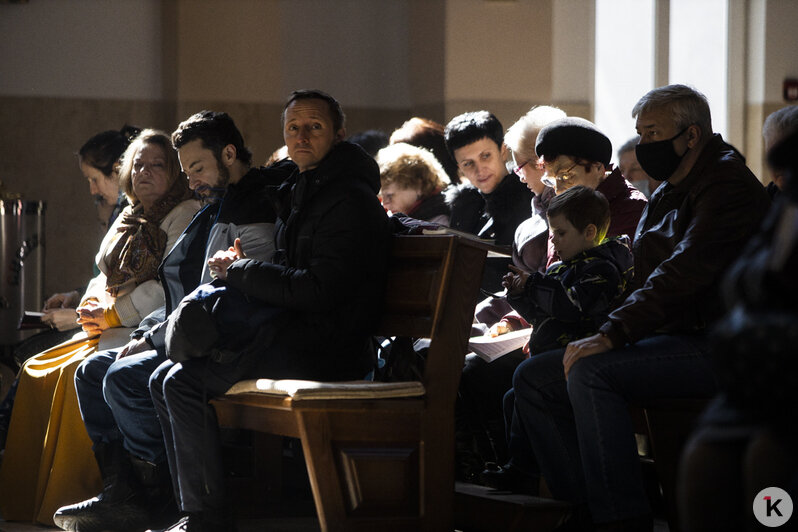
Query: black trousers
479	407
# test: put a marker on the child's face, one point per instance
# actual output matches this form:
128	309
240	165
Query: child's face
567	240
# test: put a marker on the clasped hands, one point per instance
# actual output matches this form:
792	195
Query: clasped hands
222	259
91	317
60	313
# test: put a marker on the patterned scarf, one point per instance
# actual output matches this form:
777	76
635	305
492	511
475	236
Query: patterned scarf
139	250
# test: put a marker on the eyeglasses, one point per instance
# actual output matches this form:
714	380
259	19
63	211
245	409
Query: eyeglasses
561	177
517	167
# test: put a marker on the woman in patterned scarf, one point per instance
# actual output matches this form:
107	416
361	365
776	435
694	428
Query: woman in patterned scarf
48	457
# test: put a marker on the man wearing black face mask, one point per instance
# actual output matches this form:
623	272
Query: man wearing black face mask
654	345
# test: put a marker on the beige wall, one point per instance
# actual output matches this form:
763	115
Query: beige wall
71	69
65	74
84	49
497	56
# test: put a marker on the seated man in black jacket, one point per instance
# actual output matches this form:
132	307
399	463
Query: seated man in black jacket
654	345
332	239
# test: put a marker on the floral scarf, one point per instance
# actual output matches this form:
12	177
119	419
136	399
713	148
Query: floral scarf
138	252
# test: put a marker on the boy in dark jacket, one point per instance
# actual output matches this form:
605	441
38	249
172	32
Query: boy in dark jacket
572	299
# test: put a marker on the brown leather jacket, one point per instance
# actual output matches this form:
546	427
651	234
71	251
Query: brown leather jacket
688	235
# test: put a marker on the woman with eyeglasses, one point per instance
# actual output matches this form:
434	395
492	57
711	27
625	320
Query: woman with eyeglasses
531	237
574	152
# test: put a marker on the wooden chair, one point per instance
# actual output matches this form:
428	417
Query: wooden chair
380	456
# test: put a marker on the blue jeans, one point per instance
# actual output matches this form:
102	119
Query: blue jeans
115	402
581	431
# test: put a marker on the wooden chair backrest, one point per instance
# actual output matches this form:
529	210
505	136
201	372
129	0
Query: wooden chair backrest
420	302
417	275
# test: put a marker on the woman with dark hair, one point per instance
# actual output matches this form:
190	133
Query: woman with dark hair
48	459
99	162
98	159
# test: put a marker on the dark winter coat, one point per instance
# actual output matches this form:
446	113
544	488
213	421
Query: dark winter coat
432	209
687	237
493	216
329	272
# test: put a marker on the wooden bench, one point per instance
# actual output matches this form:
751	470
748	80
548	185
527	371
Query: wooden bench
380	456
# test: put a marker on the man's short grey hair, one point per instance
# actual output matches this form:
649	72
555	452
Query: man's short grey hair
687	105
778	124
521	136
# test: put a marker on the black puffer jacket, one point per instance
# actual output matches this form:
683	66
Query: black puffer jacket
494	216
688	235
332	238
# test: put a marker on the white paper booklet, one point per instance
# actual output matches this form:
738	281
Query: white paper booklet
492	347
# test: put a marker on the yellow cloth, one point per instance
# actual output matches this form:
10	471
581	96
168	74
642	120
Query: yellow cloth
48	460
112	317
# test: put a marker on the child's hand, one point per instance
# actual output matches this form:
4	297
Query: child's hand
499	328
514	281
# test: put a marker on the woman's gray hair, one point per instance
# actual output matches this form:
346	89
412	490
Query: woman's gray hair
778	124
687	105
521	136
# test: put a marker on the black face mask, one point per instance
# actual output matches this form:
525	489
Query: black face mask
659	159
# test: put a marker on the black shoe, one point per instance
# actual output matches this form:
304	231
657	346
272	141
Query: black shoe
137	495
90	515
509	478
